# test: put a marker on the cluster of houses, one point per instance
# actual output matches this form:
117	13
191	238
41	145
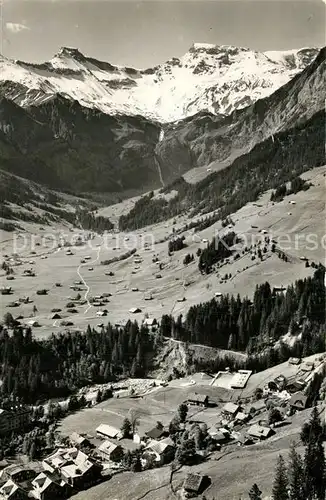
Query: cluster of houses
156	445
61	474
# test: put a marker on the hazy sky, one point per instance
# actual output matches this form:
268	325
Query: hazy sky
145	33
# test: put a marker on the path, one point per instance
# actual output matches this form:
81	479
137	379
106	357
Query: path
89	305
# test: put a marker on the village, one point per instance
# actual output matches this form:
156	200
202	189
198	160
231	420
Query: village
213	414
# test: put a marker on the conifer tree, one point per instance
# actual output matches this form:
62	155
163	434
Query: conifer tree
314	460
126	428
295	475
279	491
182	412
255	493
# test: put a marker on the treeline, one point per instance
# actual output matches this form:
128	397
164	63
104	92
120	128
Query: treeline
32	369
241	324
297	184
91	222
124	256
146	211
176	244
268	165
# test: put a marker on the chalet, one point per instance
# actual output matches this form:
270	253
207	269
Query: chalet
6	290
163	451
278	384
259	432
81	474
245	440
56	316
218	436
12	491
197	399
294	361
135	310
194	484
134	289
230	410
307	367
46	487
16	473
156	433
29	273
107	431
241	417
57	459
295	386
101	313
78	440
298	401
224	431
110	451
33	323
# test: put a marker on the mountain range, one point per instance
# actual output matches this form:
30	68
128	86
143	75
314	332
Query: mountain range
82	125
213	78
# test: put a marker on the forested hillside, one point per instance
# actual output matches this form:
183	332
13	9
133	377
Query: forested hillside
268	165
236	323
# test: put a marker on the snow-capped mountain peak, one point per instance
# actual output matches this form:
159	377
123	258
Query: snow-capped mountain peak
215	78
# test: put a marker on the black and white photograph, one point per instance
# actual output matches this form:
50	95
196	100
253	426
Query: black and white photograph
162	249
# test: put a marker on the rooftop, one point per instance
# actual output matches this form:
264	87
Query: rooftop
107	447
193	482
158	447
257	430
107	430
231	408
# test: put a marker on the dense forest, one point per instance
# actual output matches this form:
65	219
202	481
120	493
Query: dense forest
240	324
33	370
268	165
90	222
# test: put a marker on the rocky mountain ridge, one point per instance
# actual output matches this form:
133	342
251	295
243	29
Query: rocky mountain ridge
212	78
